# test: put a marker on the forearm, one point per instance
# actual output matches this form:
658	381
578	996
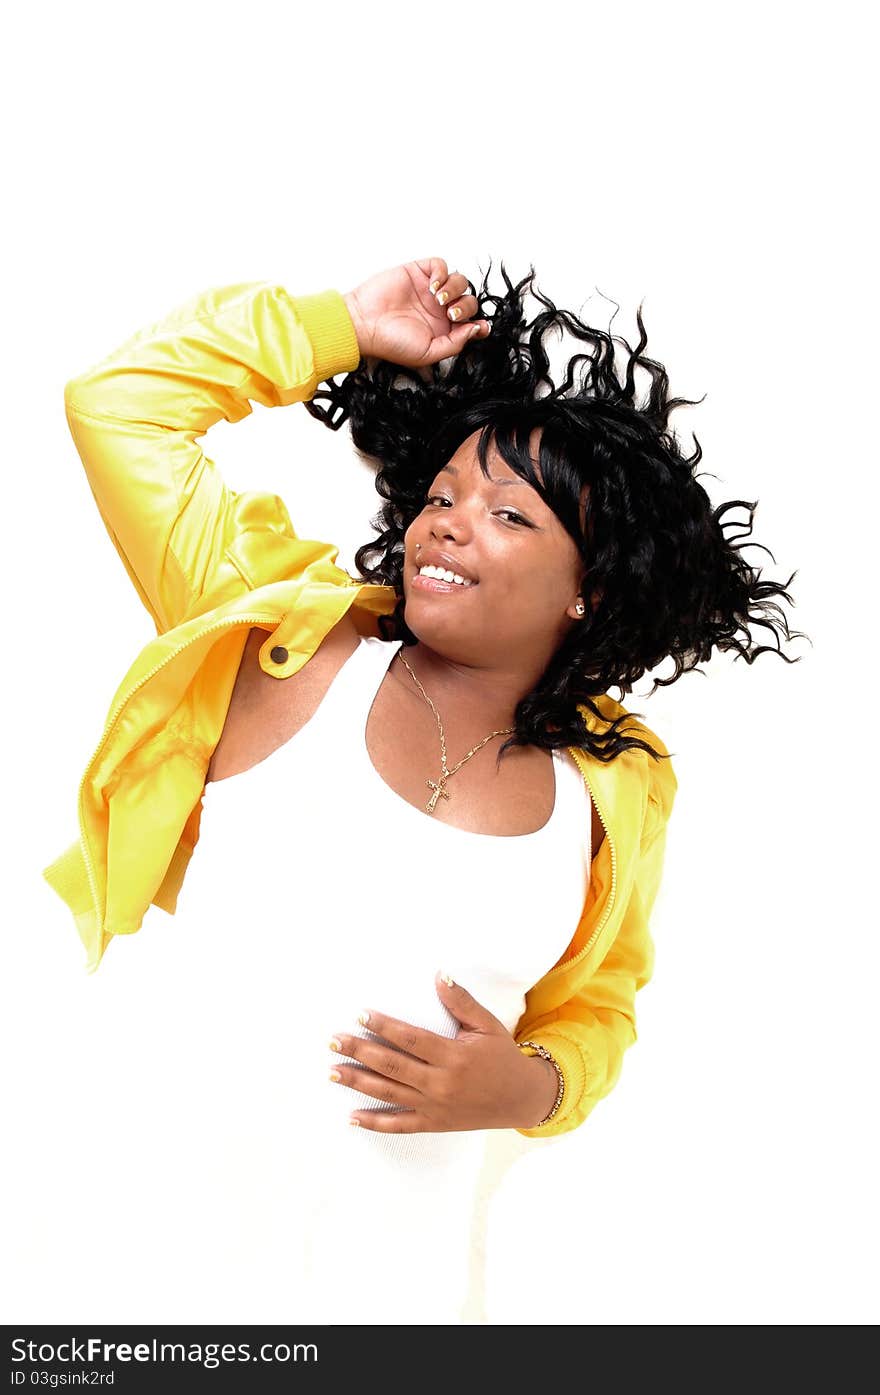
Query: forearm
590	1033
219	350
135	418
541	1093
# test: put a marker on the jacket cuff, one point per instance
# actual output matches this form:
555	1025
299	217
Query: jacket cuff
570	1060
331	331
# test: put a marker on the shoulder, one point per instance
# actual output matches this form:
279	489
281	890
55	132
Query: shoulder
657	775
337	645
339	642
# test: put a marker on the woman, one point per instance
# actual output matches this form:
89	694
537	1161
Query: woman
471	931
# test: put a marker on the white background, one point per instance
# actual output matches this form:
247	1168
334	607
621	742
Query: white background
713	163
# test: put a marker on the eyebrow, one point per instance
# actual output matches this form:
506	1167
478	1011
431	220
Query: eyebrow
493	479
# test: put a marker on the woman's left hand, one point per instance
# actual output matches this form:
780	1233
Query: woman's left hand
478	1080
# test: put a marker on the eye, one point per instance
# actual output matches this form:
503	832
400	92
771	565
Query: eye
510	514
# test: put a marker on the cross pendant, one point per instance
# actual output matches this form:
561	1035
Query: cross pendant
437	787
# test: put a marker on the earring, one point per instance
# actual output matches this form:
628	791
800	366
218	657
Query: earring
580	607
418	546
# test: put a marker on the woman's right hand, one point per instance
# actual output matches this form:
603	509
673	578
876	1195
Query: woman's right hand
397	316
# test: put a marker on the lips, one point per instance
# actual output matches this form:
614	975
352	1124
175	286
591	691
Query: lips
435	558
433	583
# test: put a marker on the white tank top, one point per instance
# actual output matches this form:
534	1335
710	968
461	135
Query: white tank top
316	887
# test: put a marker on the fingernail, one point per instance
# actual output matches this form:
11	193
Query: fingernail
450	982
434	285
335	1044
455	312
334	1075
442	297
363	1018
355	1123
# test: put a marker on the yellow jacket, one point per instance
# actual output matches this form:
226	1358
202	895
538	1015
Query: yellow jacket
209	564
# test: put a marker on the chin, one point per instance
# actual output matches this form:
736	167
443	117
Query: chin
441	632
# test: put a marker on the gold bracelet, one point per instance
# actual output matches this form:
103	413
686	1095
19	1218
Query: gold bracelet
532	1048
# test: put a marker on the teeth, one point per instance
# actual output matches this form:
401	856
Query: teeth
444	574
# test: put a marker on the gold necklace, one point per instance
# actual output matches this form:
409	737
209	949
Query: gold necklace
439	786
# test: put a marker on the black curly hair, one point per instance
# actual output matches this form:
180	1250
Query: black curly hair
671	583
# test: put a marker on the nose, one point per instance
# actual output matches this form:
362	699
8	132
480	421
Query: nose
451	523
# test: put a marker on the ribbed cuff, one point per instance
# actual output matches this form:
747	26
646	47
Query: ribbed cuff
570	1061
68	877
330	328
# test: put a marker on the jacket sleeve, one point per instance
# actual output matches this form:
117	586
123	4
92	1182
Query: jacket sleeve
588	1035
136	418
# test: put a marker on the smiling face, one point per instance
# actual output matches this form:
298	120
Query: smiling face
523	566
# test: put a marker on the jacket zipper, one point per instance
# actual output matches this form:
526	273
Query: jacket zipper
112	719
582	766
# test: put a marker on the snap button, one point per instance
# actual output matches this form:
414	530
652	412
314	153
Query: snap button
279	654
